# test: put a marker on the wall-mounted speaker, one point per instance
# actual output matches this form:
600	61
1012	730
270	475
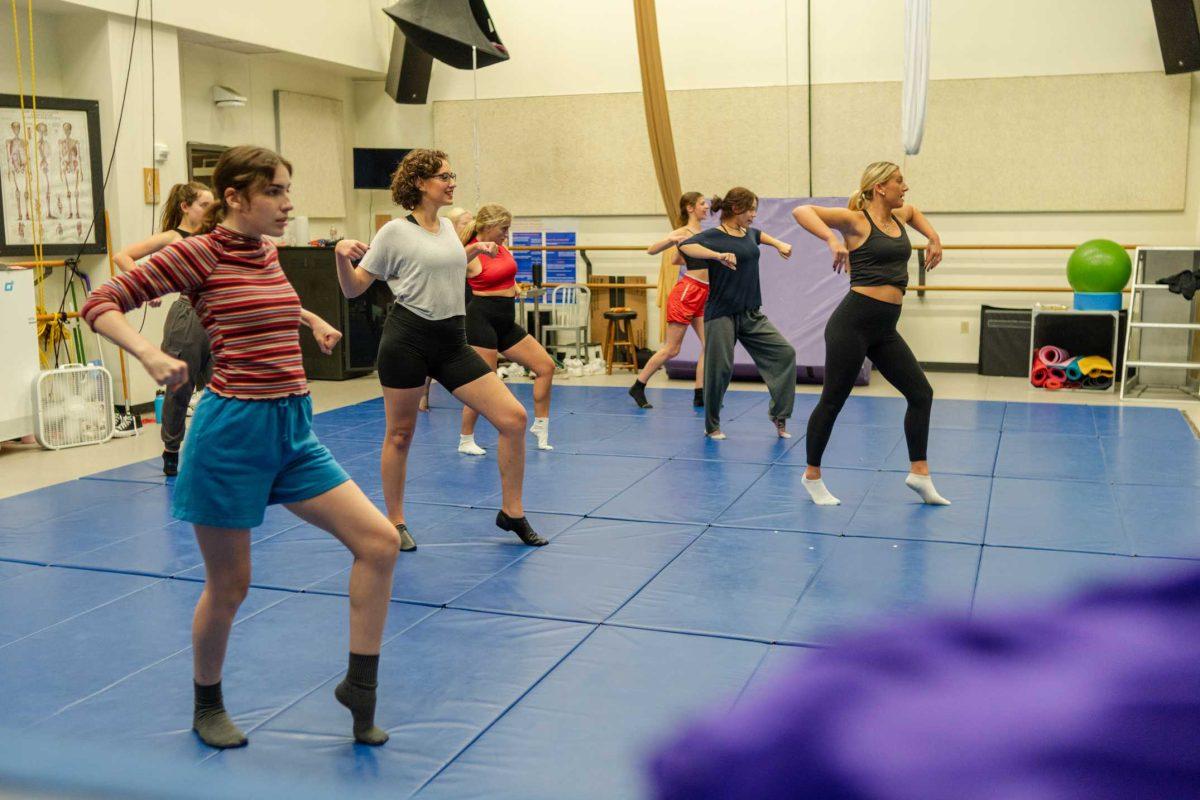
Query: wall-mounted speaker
1178	34
456	32
409	70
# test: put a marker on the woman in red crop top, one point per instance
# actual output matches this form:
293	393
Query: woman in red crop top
492	327
685	306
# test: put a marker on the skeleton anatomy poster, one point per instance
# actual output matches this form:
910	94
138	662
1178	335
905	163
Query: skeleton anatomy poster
50	177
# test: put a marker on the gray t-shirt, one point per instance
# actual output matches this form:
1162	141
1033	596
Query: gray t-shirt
425	271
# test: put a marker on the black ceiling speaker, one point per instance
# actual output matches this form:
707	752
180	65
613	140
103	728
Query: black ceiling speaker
445	30
1178	34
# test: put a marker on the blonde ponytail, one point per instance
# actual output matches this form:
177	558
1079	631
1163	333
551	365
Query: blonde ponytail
489	215
875	174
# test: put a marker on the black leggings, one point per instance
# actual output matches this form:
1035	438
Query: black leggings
863	327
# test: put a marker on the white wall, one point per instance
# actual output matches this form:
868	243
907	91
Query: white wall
257	77
94	51
344	32
49	71
591	48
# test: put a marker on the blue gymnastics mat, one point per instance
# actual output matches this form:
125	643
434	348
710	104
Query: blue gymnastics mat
681	574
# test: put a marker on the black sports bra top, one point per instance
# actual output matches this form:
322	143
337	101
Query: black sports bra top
181	232
881	260
690	263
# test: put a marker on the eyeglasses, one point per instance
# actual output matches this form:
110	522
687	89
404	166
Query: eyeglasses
448	177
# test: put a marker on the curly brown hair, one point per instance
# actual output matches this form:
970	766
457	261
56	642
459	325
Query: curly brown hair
419	164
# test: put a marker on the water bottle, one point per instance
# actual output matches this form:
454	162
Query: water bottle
159	396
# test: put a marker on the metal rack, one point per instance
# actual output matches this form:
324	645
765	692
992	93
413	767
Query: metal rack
1162	342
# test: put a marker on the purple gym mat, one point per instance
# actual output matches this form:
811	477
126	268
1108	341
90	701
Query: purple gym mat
799	294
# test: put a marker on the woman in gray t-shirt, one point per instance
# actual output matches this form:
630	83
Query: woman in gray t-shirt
425	265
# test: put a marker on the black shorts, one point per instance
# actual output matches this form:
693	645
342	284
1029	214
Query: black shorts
413	348
492	324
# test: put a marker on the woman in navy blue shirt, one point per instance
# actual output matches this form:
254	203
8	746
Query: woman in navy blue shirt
733	314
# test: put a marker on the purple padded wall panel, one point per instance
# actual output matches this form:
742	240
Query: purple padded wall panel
798	294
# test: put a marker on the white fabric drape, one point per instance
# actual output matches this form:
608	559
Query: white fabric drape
916	74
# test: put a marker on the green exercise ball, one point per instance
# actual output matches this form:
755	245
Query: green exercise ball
1099	265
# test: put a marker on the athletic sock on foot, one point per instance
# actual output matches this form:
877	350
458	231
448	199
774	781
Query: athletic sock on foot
466	444
638	393
211	721
923	485
698	398
357	693
541	429
819	494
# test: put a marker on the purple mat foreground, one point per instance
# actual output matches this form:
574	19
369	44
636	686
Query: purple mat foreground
799	294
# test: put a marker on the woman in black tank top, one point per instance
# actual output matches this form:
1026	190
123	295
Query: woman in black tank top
183	335
874	245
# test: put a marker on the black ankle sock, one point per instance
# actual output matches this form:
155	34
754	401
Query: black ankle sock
357	693
638	393
698	398
363	670
211	721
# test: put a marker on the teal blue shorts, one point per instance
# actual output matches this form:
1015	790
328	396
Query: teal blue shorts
242	455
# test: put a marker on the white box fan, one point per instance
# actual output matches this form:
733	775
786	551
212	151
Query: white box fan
73	406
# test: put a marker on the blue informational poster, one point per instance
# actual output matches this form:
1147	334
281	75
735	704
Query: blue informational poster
526	258
560	264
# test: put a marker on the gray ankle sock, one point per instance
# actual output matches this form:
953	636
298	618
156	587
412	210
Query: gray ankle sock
212	722
357	693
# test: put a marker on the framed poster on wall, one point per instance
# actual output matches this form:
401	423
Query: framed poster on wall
51	176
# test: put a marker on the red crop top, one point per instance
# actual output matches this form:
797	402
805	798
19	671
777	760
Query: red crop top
499	271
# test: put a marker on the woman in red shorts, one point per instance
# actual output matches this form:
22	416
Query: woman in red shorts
685	306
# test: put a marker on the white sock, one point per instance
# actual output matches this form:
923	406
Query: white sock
717	436
819	494
467	446
541	429
923	485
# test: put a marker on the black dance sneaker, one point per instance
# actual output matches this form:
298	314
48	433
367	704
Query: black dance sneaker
407	542
170	463
125	424
521	527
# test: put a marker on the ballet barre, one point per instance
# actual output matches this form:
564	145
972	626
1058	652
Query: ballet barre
921	288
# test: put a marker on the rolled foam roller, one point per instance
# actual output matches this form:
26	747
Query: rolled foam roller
1039	374
1053	356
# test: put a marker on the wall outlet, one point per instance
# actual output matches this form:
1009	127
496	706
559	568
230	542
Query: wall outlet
964	327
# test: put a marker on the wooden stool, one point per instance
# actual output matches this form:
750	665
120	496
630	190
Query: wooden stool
618	337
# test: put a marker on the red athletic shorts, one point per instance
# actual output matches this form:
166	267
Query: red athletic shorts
687	300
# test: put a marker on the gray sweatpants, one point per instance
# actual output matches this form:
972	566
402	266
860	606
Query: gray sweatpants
183	338
774	357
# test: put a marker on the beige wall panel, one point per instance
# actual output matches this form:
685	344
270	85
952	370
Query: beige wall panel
309	131
553	155
1063	143
854	124
731	137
